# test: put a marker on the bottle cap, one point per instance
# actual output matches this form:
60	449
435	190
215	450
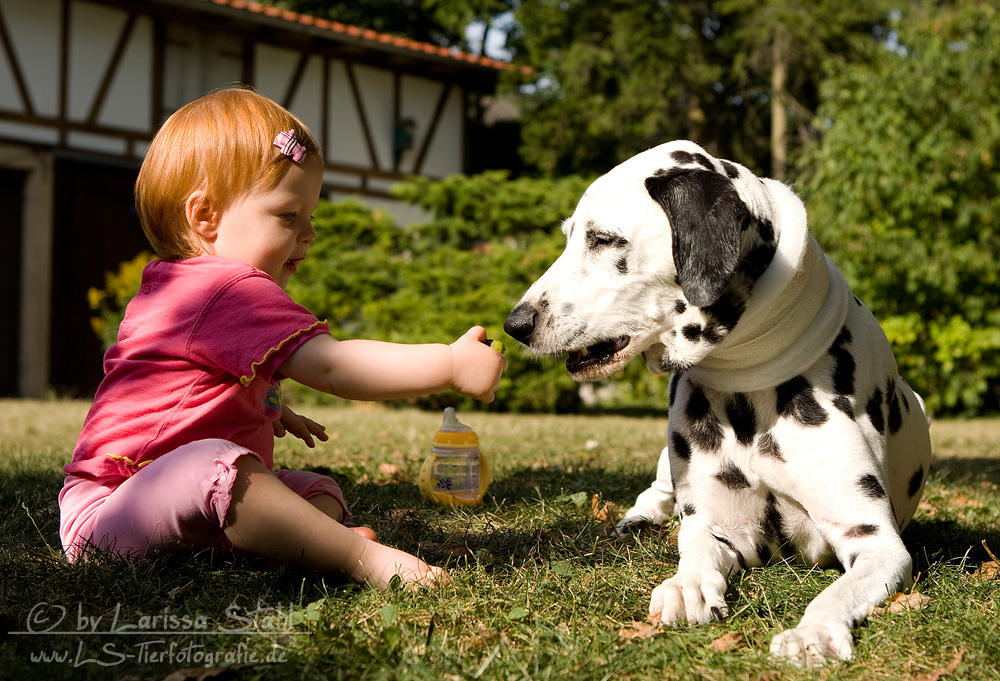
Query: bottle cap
453	432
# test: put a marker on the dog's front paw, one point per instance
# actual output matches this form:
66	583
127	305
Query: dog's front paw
814	645
691	599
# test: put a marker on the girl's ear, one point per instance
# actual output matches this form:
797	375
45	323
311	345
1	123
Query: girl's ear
201	215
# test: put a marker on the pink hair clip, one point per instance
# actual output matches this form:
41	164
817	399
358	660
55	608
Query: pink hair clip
289	146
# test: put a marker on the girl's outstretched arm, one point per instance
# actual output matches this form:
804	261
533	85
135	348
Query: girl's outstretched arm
376	370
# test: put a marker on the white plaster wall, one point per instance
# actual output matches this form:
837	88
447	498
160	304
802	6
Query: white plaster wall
346	141
376	87
34	32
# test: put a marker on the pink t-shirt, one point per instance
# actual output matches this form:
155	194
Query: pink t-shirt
196	357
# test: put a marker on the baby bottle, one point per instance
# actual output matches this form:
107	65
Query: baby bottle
456	473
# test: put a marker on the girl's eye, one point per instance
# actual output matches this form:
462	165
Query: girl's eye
288	217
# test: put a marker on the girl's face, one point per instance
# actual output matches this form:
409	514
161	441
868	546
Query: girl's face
272	229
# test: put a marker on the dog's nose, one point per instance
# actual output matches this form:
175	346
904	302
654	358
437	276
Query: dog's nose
521	322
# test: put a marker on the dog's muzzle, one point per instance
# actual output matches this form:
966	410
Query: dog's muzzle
583	363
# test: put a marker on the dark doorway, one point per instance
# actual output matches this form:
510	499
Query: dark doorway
96	228
11	216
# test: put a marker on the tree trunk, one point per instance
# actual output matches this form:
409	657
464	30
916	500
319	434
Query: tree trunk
779	113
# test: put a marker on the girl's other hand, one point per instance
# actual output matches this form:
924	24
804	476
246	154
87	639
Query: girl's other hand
301	427
476	367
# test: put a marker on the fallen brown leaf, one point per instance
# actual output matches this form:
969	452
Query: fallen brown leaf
640	630
963	501
987	571
725	643
938	673
390	469
899	602
607	513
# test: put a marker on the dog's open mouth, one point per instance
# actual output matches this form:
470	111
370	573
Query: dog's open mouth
596	355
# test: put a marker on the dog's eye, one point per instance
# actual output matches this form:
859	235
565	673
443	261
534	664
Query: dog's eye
597	240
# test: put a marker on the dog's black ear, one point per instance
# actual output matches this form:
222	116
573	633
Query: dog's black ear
706	218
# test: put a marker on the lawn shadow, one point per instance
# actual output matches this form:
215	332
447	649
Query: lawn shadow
944	535
950	540
966	470
570	528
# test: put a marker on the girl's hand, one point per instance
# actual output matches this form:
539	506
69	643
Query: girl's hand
476	367
300	426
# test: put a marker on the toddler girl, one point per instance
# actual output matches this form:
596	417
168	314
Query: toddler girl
176	452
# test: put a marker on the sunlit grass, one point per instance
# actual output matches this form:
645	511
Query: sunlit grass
539	589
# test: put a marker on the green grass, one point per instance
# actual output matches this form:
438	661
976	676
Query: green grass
539	590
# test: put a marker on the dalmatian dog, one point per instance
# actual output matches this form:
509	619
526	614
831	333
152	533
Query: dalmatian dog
791	434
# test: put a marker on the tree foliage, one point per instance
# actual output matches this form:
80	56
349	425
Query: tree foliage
904	192
613	78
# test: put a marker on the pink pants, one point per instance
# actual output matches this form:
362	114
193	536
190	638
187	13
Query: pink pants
177	502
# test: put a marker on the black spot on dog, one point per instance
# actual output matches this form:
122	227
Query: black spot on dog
732	171
712	333
687	509
742	418
796	400
874	411
768	446
679	307
675	379
870	485
622	265
858	301
692	332
763	553
895	415
679	446
568	309
732	547
543	304
859	531
844	337
906	402
915	481
704	428
732	477
681	158
852	560
771	524
843	403
703	160
728	309
766	230
844	365
716	613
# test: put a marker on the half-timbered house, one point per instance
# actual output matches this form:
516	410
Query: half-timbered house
84	85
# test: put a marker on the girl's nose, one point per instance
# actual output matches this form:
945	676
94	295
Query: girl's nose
309	234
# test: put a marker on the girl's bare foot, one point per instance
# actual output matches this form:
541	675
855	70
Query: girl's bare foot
379	564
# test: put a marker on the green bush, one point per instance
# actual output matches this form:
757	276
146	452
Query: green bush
109	302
